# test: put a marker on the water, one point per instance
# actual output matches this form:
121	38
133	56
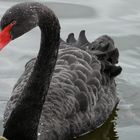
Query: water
117	18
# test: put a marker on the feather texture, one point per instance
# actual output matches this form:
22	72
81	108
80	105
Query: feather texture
82	93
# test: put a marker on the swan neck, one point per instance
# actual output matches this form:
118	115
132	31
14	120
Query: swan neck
24	119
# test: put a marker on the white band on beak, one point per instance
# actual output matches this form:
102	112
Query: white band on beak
3	138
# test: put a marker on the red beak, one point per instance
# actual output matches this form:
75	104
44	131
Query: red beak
5	36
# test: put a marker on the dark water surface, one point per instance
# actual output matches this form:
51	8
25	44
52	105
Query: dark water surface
117	18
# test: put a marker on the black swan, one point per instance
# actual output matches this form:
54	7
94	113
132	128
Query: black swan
68	90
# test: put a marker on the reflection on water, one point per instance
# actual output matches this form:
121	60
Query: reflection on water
117	18
106	132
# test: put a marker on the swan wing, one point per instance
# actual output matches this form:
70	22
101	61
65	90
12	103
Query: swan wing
82	92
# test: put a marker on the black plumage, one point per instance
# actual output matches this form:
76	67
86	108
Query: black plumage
68	90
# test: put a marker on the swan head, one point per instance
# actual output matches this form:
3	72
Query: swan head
16	21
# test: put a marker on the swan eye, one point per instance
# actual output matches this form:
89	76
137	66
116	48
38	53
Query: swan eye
13	23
